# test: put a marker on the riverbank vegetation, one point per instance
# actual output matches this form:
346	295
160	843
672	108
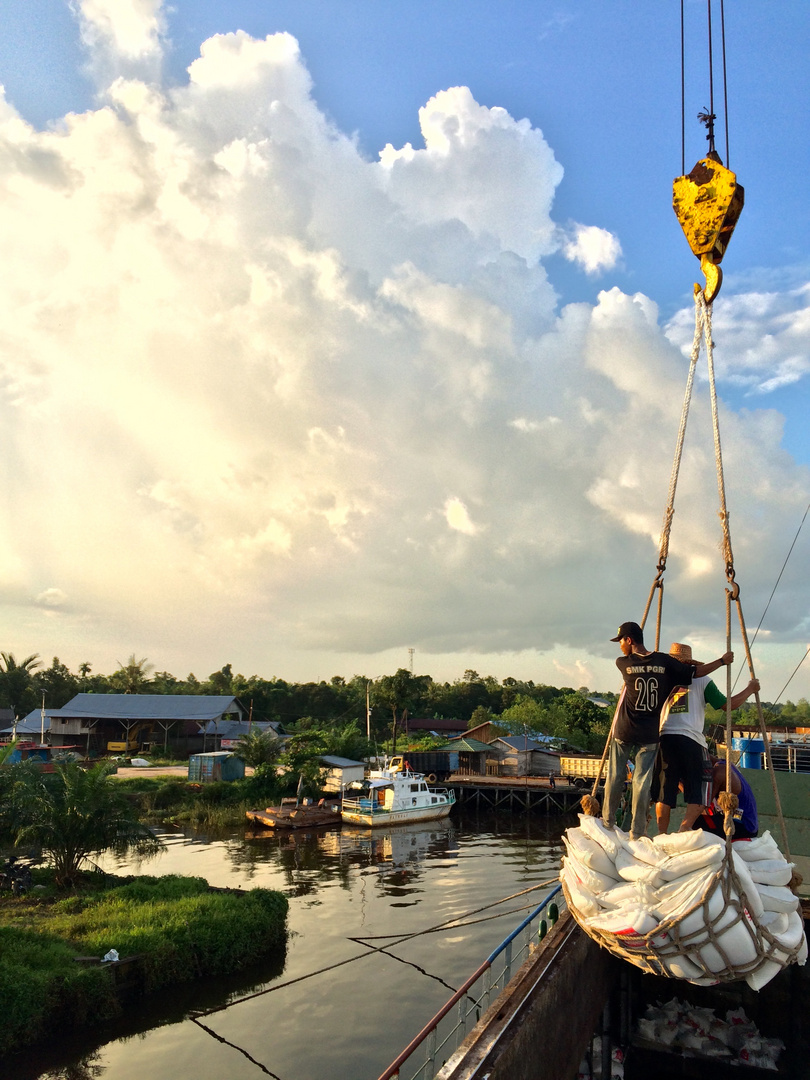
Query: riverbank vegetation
172	800
176	927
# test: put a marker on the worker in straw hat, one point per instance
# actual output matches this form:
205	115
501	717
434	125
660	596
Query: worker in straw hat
649	678
684	760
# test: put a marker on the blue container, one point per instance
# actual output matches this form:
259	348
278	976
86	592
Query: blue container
751	752
220	765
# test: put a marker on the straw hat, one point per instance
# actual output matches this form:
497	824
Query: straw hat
681	652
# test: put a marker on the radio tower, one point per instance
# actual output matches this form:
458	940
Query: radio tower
410	654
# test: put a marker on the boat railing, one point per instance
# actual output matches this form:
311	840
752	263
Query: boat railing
442	1035
365	806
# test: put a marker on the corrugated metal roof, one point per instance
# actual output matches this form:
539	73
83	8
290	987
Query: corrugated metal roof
536	742
555	742
464	744
199	707
31	723
339	762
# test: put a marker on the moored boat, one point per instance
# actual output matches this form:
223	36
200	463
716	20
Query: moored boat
394	798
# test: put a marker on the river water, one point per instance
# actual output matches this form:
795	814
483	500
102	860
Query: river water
360	975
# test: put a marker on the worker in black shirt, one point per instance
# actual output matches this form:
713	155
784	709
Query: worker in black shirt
649	678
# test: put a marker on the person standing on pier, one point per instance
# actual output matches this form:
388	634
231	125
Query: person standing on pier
649	678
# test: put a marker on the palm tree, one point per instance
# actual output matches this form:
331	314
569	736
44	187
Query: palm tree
77	813
259	748
132	676
16	682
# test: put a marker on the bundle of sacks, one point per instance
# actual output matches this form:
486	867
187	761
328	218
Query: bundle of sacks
674	906
698	1031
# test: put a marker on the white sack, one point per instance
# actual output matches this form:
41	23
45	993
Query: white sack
791	938
776	922
689	862
763	975
626	895
770	871
630	923
682	968
590	853
777	898
675	843
644	850
584	901
678	896
610	840
751	892
593	881
760	847
736	942
632	870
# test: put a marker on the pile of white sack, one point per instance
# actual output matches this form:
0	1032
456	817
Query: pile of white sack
697	1031
669	904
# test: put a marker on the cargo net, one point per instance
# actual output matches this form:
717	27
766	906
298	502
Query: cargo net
688	905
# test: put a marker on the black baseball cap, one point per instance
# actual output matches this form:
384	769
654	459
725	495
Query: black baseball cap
631	630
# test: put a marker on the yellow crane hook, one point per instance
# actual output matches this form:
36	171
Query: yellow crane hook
708	202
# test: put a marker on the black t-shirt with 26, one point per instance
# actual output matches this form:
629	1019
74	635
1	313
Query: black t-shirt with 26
648	680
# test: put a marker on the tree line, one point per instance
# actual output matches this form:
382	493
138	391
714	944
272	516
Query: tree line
517	705
300	707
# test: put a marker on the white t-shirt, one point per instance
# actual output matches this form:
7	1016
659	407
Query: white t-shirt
685	711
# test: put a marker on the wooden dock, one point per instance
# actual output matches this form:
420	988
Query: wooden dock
514	793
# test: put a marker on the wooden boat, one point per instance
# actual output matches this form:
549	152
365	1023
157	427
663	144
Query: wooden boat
294	815
394	798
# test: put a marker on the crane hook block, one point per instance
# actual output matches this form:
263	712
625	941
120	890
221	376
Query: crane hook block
708	202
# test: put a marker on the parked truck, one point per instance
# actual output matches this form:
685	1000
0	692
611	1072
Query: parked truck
435	764
582	771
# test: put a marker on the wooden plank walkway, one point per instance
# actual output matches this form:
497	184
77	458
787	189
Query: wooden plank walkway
514	793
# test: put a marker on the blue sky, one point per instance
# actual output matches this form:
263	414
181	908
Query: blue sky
601	82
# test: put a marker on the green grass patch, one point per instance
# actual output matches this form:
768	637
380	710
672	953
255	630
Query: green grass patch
42	986
215	805
179	928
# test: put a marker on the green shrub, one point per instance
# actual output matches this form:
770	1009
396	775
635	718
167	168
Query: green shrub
170	794
221	792
179	927
41	984
147	889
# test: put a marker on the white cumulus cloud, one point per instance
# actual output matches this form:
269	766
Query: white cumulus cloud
595	250
241	368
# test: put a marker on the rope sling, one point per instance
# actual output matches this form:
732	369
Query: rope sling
723	902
